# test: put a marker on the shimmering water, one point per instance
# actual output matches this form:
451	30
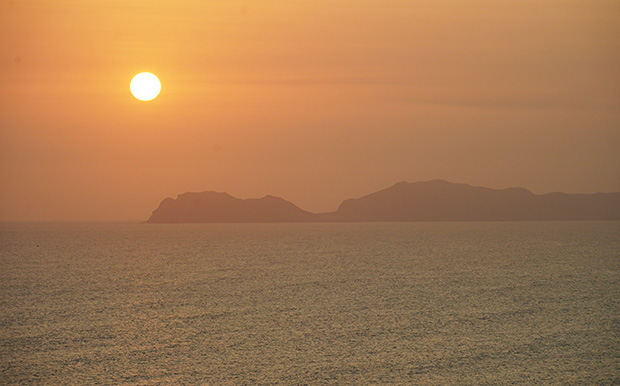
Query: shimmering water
318	304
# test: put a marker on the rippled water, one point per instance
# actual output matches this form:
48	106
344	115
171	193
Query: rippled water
293	304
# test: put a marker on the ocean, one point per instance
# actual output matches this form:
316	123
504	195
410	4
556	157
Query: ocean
480	303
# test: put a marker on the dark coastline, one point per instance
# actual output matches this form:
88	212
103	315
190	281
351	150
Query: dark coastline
435	200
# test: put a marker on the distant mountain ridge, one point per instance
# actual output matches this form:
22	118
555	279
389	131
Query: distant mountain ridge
434	200
208	207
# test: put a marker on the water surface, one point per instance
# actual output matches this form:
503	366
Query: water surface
519	303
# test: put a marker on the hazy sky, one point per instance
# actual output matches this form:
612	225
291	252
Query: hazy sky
314	101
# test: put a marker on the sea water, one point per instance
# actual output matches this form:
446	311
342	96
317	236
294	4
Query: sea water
481	303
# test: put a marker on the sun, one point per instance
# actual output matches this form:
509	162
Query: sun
145	86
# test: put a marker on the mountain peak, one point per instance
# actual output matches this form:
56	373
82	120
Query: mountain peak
211	206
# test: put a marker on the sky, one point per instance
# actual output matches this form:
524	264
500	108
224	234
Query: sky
313	101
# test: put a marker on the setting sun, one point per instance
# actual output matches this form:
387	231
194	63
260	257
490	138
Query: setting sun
145	86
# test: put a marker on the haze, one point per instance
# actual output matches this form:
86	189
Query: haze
314	101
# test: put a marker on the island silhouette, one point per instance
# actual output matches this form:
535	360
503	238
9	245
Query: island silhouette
435	200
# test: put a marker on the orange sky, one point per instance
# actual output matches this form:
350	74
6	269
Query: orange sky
314	101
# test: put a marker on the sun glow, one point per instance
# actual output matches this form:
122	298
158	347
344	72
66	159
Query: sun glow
145	86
